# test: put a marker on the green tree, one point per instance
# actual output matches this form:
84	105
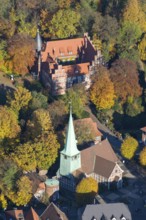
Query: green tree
102	92
129	35
19	99
38	101
128	148
142	157
9	127
86	191
64	23
134	14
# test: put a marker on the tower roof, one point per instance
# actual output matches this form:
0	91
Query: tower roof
71	143
38	41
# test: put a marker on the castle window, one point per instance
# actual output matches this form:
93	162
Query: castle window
65	157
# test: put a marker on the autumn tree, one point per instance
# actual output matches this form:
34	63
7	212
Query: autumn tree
134	14
24	192
57	110
22	53
142	48
142	157
124	76
86	191
102	92
3	201
24	156
19	99
85	130
128	148
9	127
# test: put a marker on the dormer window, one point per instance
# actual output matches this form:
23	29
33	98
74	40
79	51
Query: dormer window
113	217
93	218
122	218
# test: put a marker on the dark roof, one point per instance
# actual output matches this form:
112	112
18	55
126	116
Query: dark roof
117	210
102	149
103	167
52	212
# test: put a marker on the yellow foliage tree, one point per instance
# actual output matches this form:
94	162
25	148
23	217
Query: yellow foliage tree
19	99
142	157
133	13
128	148
3	201
102	92
24	192
9	127
25	157
86	191
142	48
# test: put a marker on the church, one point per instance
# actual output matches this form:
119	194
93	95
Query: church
98	161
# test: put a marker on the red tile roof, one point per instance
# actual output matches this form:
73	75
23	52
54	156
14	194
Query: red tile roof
55	48
77	69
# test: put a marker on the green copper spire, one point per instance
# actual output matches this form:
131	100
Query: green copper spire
71	143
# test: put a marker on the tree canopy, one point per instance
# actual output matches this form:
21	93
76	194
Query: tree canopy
128	148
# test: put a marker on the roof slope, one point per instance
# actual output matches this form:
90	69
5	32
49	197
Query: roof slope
103	167
97	211
32	215
52	212
102	150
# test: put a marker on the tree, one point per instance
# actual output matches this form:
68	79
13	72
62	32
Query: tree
142	48
142	157
9	127
134	14
39	124
38	101
24	156
78	98
133	107
102	92
128	148
64	23
129	35
84	130
22	53
24	193
19	99
3	201
46	150
124	76
86	191
57	110
64	3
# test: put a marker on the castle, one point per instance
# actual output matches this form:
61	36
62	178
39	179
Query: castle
62	63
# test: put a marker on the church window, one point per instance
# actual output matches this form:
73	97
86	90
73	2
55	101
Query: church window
65	157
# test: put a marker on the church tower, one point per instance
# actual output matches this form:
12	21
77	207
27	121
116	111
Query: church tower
70	158
38	49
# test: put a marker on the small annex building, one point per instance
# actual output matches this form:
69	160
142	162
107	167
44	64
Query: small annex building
98	161
63	63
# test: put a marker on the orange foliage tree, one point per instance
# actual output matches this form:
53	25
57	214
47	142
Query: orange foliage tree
124	76
102	92
22	53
